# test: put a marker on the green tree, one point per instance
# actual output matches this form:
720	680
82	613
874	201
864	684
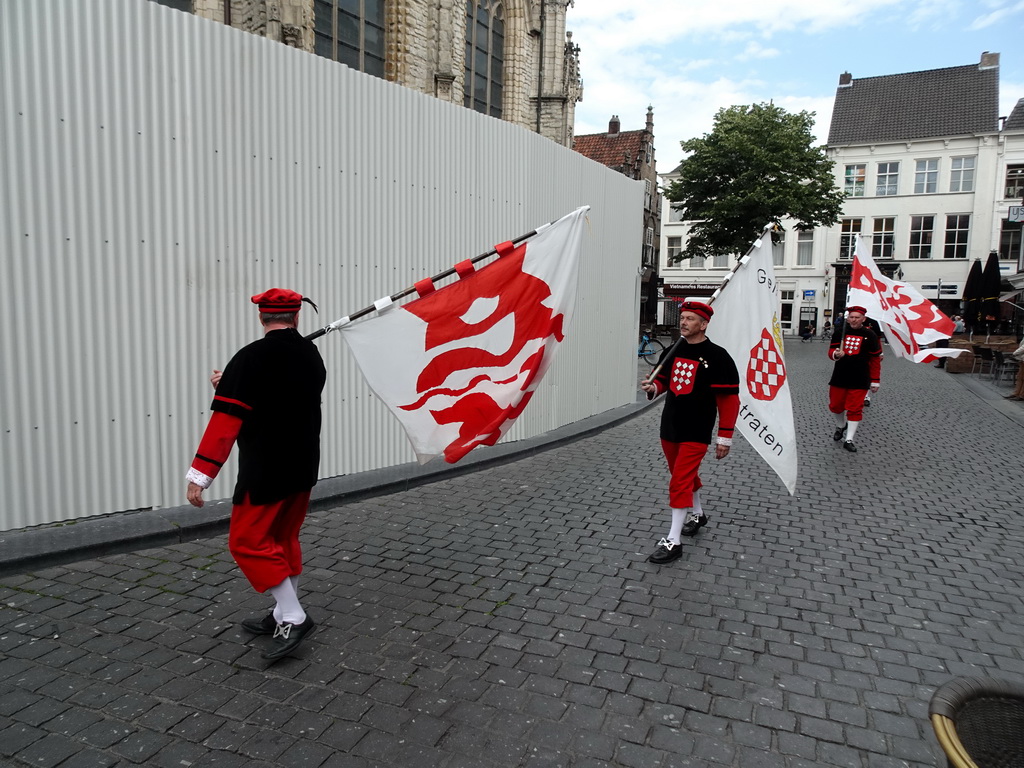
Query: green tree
756	167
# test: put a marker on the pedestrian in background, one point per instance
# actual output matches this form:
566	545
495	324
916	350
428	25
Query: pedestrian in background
858	368
1018	389
268	400
701	383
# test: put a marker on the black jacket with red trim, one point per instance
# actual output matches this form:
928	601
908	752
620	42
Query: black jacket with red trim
701	383
269	395
861	364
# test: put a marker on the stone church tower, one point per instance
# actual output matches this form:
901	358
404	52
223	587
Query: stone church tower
511	59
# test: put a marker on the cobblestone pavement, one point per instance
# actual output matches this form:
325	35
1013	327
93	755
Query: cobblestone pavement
508	617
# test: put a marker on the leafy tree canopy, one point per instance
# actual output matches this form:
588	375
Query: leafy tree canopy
756	167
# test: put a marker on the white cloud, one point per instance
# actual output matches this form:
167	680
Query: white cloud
755	50
690	58
1009	94
998	15
611	26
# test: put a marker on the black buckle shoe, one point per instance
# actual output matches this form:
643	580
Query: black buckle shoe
867	403
287	638
263	626
694	524
838	434
665	553
848	445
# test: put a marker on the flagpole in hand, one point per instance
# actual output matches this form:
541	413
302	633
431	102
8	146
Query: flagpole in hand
718	292
381	303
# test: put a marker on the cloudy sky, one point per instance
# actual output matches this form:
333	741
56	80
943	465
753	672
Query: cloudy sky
689	58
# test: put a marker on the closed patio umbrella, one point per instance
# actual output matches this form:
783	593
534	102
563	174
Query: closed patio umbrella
990	280
972	297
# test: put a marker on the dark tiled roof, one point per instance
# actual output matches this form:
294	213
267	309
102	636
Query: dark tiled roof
1015	122
954	101
617	150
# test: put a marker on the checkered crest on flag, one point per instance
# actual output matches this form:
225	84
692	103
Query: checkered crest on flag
767	372
746	323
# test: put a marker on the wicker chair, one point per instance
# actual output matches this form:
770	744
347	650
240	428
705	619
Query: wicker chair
980	723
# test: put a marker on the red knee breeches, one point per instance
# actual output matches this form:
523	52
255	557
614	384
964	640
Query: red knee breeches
683	462
264	539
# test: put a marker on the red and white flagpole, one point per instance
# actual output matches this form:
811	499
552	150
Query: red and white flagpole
389	300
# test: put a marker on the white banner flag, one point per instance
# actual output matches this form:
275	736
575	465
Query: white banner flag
908	320
746	323
462	362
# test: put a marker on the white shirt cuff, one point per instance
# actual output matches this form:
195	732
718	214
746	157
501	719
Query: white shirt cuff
195	476
726	441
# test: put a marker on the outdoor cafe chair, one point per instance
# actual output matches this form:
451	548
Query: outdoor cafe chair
982	357
1003	365
979	722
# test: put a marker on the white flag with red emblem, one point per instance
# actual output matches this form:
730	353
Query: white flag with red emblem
746	323
457	365
908	320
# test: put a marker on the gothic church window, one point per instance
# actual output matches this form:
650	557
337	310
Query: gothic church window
485	56
352	32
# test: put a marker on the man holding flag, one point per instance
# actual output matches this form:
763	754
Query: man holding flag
268	401
701	382
858	356
909	321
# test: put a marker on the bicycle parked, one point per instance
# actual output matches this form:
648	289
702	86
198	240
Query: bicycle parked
650	349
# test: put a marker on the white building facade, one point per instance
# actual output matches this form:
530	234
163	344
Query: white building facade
801	267
931	173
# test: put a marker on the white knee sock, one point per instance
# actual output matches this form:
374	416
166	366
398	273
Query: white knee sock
288	610
697	508
675	533
840	419
851	429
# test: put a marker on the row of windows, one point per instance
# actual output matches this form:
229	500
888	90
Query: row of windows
926	178
928	237
352	32
804	252
922	237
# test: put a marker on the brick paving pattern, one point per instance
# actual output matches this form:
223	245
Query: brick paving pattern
508	617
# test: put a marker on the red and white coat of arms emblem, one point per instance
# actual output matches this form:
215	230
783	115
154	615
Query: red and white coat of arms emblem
766	372
683	374
852	344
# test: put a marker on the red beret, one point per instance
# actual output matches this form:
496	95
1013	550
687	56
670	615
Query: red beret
278	300
856	309
698	308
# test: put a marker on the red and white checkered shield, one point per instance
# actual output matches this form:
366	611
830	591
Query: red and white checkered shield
766	371
683	373
852	344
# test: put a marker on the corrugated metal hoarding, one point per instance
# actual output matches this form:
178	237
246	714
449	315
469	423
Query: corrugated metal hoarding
158	169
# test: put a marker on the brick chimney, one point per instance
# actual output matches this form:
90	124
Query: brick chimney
989	61
613	125
845	80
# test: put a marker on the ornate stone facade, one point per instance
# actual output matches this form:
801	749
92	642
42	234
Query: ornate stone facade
425	45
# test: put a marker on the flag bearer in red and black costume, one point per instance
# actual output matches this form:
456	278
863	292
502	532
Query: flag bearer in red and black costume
701	382
858	370
268	399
